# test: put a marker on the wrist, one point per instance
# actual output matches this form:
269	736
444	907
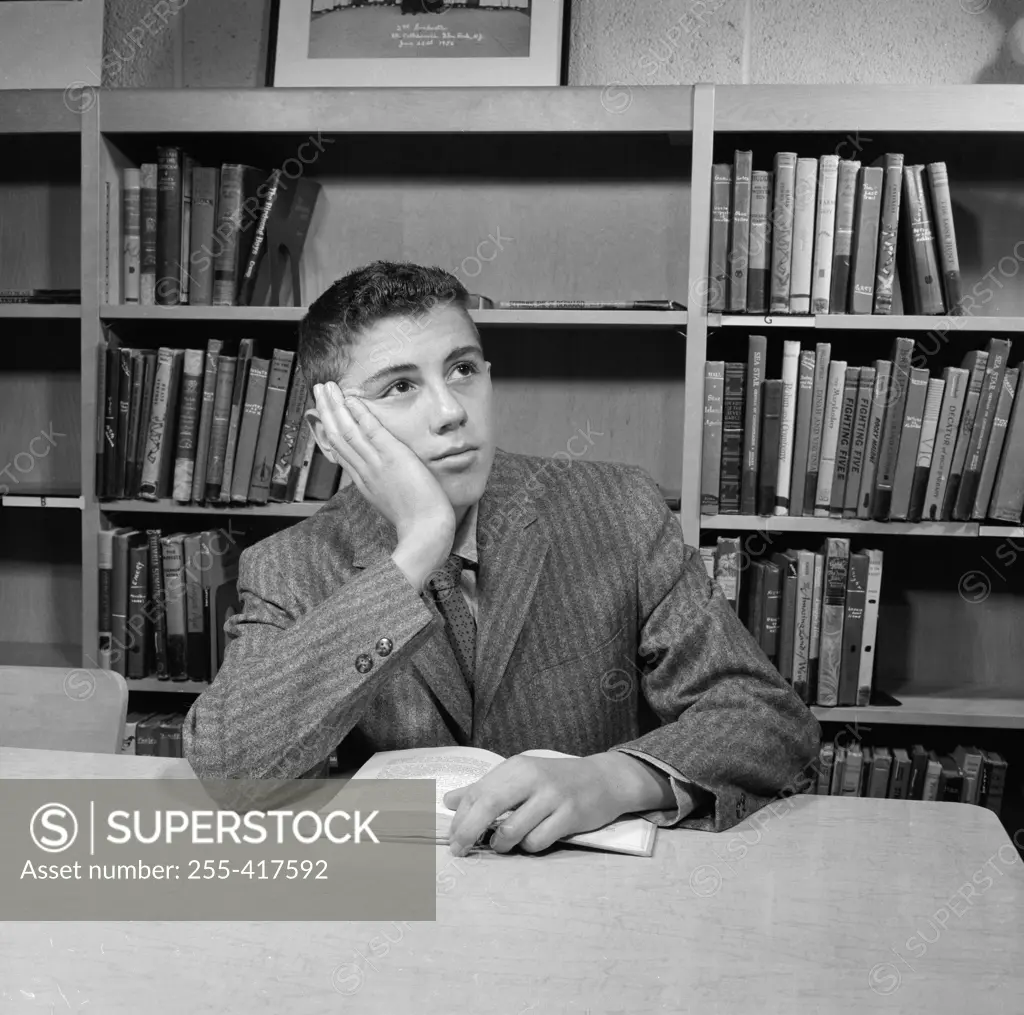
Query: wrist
634	786
418	557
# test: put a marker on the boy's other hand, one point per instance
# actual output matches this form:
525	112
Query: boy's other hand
387	472
551	798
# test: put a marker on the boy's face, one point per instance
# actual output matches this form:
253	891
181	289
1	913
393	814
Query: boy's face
428	383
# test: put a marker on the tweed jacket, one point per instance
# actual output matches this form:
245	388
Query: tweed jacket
598	629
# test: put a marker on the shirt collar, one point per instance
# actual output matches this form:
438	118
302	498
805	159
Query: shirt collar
464	543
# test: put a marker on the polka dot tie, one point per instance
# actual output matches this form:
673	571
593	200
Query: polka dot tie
458	621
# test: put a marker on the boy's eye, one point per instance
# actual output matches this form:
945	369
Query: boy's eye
466	365
395	388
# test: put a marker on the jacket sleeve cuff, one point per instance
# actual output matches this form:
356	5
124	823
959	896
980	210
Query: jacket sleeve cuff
689	798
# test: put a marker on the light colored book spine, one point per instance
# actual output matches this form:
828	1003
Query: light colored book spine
307	461
802	628
997	436
707	556
188	425
804	202
147	240
859	441
865	674
945	236
888	232
876	419
830	437
945	440
930	422
790	374
157	424
782	231
132	235
825	225
711	457
822	358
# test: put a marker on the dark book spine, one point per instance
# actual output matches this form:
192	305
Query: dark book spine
853	627
135	422
888	232
195	624
757	346
210	372
783	207
249	428
169	439
910	443
112	361
239	388
219	426
124	402
104	566
168	226
254	255
842	247
739	231
833	611
920	256
149	361
137	623
772	610
865	240
802	437
851	384
771	431
293	416
271	419
945	236
892	428
732	439
157	609
759	248
229	223
721	186
174	598
711	443
148	175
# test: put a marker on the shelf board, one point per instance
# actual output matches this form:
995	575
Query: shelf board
868	322
837	108
18	501
28	653
37	111
513	110
917	710
37	311
844	526
558	318
301	509
170	686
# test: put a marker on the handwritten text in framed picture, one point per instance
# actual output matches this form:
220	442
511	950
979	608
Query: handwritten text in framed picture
418	43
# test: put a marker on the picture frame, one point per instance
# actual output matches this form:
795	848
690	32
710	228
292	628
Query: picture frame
457	43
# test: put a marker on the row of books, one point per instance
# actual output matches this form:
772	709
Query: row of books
163	601
815	615
967	775
153	733
887	442
828	236
50	296
199	235
207	427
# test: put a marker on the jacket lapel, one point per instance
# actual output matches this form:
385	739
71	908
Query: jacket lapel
512	543
372	538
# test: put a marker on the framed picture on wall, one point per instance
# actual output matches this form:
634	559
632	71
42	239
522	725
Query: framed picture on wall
417	43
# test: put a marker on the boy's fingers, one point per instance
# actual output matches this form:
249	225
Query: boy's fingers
366	419
346	429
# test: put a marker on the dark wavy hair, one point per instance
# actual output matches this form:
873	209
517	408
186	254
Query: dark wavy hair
361	299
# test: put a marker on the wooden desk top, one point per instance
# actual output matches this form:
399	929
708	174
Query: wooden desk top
824	905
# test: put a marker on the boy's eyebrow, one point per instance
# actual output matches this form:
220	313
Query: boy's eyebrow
406	368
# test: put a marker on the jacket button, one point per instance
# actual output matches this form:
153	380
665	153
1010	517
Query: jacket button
384	646
364	663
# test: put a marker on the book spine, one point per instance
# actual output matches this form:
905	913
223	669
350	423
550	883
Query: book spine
896	403
819	398
714	388
760	241
996	440
772	615
258	247
945	237
124	396
830	652
830	437
853	628
249	428
802	627
148	174
872	599
210	375
975	363
732	441
156	605
757	346
739	231
229	223
174	599
842	248
865	240
132	196
270	424
205	184
924	278
790	375
100	429
814	650
804	202
105	567
825	225
169	436
135	422
782	231
1007	501
241	383
787	564
726	570
219	426
138	591
721	186
926	449
888	232
300	473
157	424
802	435
851	382
910	443
188	424
955	379
184	279
770	432
876	423
149	357
168	226
195	624
859	441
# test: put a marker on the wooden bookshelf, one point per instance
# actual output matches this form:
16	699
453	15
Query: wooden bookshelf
921	710
869	322
39	311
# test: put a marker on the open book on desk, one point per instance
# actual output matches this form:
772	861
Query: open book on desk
454	767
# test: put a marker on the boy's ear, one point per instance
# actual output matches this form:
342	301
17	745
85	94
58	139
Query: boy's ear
320	435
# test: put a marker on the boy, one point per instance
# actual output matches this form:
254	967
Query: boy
455	593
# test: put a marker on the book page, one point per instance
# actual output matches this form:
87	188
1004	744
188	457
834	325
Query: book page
452	767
